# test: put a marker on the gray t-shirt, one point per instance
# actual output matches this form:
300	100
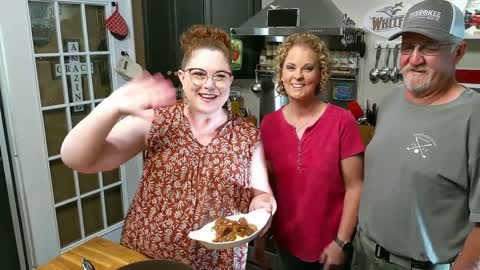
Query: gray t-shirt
421	193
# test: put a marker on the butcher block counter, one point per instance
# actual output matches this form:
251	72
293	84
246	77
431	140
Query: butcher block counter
102	253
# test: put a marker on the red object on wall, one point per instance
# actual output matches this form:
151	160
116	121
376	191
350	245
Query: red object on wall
468	76
355	109
116	24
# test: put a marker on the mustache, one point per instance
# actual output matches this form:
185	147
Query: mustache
409	68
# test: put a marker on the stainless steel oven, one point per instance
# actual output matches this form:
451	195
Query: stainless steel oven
270	99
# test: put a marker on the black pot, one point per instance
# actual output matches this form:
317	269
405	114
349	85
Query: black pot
156	265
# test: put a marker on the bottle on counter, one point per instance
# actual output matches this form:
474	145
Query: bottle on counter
235	105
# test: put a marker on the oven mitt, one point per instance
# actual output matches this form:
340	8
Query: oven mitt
117	25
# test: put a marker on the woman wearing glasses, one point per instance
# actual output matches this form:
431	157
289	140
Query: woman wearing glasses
201	162
315	152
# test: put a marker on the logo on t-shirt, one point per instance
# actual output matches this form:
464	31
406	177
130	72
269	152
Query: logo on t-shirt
421	144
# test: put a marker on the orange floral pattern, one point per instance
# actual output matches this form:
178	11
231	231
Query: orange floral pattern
186	185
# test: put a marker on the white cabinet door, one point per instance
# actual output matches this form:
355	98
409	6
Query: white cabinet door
58	63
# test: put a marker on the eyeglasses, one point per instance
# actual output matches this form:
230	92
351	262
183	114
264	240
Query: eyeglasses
424	49
199	76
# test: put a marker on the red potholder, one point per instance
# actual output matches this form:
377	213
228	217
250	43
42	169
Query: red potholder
117	25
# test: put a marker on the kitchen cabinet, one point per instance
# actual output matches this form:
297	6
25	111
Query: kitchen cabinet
230	13
164	22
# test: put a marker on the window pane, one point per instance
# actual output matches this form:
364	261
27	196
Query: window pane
50	81
68	224
87	182
102	84
63	183
44	33
71	25
111	177
92	214
78	113
113	205
97	35
56	130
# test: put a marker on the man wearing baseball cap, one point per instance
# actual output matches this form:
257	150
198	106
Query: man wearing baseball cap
420	207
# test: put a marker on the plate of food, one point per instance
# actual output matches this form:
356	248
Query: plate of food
231	231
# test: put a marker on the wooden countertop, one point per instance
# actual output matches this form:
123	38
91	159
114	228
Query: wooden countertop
102	253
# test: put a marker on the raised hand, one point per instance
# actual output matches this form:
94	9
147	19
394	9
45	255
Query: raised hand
144	92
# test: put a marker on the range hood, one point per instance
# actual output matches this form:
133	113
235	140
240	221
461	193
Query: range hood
320	17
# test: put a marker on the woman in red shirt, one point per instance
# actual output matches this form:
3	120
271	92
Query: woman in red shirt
316	156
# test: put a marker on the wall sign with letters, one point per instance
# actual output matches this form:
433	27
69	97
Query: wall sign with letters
387	19
74	71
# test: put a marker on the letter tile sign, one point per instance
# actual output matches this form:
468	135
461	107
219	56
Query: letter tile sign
74	71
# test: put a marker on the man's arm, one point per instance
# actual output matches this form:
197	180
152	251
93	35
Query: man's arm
470	255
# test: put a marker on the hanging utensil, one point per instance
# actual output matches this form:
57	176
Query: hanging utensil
361	45
368	112
374	72
394	72
374	114
385	71
257	85
344	32
354	32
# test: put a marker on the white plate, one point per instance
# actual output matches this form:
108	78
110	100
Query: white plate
205	235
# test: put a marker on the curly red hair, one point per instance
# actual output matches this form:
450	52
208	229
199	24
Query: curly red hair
202	36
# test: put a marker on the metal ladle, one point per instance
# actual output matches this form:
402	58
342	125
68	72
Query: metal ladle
394	72
374	72
385	71
257	86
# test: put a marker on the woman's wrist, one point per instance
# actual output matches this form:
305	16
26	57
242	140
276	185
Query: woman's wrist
112	103
268	198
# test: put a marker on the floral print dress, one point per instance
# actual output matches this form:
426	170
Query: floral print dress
186	185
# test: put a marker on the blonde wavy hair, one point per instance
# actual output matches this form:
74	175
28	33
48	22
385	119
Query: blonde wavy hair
313	42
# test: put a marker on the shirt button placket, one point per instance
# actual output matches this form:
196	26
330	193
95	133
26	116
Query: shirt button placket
299	157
